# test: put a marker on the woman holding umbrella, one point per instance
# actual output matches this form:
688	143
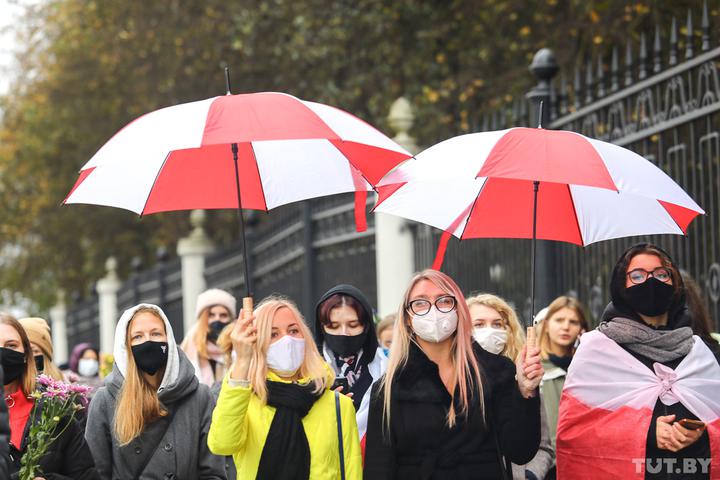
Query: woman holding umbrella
345	335
641	367
276	413
446	408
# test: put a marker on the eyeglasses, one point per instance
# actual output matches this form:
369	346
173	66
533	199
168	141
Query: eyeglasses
639	275
444	304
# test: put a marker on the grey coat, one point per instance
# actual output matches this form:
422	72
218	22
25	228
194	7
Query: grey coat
544	459
180	454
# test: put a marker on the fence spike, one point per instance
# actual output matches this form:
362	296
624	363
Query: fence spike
705	28
577	87
673	43
642	59
614	71
553	102
588	82
563	94
600	78
689	36
628	64
657	51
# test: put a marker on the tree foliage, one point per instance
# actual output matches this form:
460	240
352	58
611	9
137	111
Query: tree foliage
87	67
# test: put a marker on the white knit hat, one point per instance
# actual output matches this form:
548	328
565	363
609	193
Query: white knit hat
215	296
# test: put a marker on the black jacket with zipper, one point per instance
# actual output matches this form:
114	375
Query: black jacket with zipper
67	458
420	445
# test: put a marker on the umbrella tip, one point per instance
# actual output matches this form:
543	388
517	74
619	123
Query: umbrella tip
227	81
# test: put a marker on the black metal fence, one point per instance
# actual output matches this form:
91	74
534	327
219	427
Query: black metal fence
664	107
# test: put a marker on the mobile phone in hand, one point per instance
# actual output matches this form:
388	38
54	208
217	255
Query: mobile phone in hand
340	382
691	424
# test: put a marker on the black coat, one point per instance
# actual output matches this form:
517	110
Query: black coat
420	445
67	458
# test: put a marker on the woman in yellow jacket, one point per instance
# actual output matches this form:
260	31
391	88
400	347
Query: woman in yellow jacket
276	414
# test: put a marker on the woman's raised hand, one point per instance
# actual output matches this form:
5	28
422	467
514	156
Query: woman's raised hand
529	371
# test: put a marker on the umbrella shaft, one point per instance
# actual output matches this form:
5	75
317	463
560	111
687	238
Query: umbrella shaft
536	187
242	222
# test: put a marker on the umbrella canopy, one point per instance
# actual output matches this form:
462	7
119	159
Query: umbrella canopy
179	157
255	151
480	185
535	183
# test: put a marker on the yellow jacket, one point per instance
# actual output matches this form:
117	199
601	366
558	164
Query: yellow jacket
240	425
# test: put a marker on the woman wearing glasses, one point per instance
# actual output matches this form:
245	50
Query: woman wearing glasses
446	408
642	396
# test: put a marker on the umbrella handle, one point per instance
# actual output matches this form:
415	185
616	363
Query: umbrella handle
247	306
531	338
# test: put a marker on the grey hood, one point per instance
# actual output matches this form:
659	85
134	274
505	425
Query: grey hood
179	378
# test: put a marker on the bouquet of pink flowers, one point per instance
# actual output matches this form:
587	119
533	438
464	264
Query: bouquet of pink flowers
57	402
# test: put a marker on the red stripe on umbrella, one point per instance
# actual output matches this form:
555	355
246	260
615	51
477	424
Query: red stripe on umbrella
262	116
547	155
204	178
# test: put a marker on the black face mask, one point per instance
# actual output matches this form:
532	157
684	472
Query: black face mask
150	356
214	331
345	345
650	298
13	364
39	363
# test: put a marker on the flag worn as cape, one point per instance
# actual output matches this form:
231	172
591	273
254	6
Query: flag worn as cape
607	404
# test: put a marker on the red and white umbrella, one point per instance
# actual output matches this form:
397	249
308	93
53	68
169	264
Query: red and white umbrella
254	151
481	185
179	157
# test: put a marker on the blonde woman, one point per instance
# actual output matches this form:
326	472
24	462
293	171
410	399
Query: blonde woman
563	324
38	332
446	408
152	418
497	329
214	310
19	370
276	413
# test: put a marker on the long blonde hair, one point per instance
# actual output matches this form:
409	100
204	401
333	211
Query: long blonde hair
558	304
467	371
313	367
516	335
27	379
138	403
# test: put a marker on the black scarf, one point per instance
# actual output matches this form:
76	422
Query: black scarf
562	362
355	369
286	454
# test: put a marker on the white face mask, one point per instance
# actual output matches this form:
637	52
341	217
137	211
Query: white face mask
491	339
286	355
88	367
435	326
